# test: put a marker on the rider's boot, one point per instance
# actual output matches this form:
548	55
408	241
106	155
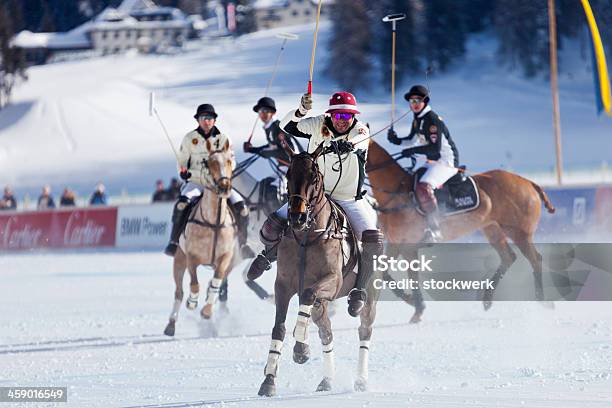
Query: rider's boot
270	235
241	215
372	243
179	220
427	200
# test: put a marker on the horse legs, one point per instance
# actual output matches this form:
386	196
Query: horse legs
194	286
524	241
497	239
212	293
324	289
178	270
282	297
415	299
365	334
321	319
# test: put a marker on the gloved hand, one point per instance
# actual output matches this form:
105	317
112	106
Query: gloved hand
417	161
246	147
344	146
184	174
392	137
305	104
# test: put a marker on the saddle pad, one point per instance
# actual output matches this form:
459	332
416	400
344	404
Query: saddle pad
457	195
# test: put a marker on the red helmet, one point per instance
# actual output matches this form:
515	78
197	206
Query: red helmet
342	102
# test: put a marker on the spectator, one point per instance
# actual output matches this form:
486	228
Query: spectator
45	200
68	198
8	202
98	197
174	189
161	194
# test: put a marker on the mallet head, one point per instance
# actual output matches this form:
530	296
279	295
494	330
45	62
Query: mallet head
287	36
394	17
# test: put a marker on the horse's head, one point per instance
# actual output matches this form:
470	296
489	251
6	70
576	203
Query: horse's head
304	185
219	165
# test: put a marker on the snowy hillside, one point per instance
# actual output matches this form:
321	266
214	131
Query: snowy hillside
76	123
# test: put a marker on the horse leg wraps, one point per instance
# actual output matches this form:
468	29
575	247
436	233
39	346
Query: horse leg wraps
364	354
271	234
273	356
329	364
213	291
175	309
372	241
300	332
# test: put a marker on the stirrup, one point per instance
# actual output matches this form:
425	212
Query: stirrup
171	248
431	236
356	301
259	265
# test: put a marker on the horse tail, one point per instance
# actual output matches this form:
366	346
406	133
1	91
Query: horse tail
544	198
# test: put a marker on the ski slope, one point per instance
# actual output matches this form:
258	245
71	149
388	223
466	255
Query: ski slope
93	322
77	123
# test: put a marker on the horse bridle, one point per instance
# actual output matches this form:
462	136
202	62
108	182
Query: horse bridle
216	182
309	216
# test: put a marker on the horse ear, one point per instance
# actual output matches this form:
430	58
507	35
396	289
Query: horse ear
226	146
315	155
208	145
287	147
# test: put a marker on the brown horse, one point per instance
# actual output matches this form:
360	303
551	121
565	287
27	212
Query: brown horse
208	238
509	208
310	263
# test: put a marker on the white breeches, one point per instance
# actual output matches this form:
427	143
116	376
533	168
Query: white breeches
437	174
360	214
192	190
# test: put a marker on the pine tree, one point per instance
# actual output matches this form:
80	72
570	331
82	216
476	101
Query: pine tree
350	44
406	50
446	34
522	30
11	60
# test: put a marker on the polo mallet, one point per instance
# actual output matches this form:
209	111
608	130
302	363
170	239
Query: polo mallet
286	37
393	19
314	47
153	111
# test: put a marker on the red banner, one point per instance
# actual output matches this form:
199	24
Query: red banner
78	228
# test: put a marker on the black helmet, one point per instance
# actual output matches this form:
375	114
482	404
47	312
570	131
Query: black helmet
205	109
265	102
418	90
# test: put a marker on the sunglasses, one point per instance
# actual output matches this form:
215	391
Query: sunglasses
415	101
205	117
265	110
343	116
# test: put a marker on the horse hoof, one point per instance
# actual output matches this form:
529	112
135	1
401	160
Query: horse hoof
267	389
416	318
206	312
547	304
487	304
169	331
361	385
324	385
301	352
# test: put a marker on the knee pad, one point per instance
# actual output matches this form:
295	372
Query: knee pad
426	197
240	209
182	203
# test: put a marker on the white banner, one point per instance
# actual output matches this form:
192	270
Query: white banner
144	226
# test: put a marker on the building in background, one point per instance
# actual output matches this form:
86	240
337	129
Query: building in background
134	25
282	13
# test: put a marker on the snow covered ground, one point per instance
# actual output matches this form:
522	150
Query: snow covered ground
93	322
76	123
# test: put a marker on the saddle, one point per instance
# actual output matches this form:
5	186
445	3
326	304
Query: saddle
350	248
458	195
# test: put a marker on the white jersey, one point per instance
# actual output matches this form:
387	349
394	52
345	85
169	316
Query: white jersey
345	184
